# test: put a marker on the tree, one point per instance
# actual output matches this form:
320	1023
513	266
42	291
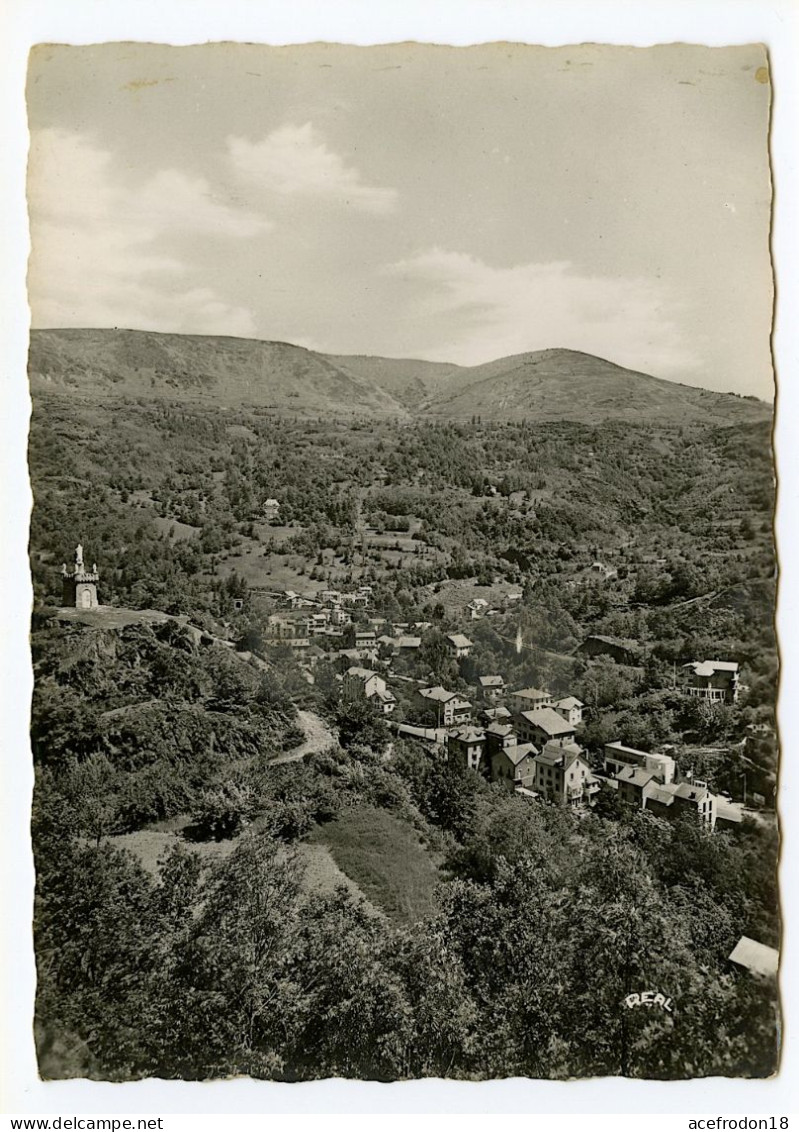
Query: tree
97	948
223	810
229	987
359	723
350	1016
449	799
609	805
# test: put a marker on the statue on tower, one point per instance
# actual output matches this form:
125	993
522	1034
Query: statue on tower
79	587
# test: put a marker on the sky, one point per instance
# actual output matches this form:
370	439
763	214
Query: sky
451	204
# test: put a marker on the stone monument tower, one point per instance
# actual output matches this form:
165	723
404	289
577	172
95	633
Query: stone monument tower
79	586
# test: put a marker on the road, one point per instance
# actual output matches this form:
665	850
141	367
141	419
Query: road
318	737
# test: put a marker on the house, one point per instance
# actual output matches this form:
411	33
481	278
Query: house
571	709
466	746
618	757
477	607
619	649
671	800
282	629
514	764
407	643
635	784
542	726
499	735
756	958
450	708
713	680
563	775
729	815
603	571
527	699
494	715
491	687
458	645
278	626
360	638
348	657
364	685
316	623
301	641
271	510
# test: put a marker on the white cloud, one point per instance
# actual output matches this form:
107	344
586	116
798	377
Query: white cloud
294	160
489	312
98	255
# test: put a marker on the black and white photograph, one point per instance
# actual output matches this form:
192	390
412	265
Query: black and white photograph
403	562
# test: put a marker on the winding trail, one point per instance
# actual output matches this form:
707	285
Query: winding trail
318	737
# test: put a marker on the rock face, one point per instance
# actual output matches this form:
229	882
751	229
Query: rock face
233	372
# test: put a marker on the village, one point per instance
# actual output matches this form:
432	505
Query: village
524	738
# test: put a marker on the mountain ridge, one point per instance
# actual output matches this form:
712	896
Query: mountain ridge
547	385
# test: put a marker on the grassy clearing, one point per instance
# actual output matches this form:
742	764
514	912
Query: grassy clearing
177	531
322	875
385	858
150	845
456	593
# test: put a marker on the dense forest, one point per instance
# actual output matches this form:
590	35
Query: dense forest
208	904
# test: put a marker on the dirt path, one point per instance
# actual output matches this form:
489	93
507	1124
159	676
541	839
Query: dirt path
318	737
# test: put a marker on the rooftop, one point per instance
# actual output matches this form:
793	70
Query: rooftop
729	811
532	694
466	734
711	667
361	673
491	681
621	642
549	721
501	729
755	957
692	792
520	751
639	756
636	775
550	757
496	713
569	702
439	694
458	641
